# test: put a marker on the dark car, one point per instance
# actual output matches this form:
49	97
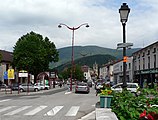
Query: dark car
3	86
89	83
15	86
82	87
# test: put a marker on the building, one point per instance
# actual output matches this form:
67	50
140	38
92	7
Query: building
145	63
86	72
106	72
5	64
118	70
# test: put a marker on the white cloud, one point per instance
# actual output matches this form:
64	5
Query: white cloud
43	16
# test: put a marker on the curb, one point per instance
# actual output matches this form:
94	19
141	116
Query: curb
104	113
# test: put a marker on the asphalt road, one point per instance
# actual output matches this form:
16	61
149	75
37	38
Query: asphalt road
61	105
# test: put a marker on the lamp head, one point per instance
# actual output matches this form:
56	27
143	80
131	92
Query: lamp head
124	12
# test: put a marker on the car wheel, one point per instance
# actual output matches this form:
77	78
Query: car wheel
36	90
21	90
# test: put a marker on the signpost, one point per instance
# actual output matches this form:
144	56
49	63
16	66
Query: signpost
24	73
10	73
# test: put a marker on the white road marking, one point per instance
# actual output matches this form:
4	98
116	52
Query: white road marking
67	93
73	111
93	105
18	110
4	100
54	111
36	110
7	108
92	114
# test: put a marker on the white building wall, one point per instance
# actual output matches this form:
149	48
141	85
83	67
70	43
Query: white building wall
118	71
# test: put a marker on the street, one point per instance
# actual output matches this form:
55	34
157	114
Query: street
57	106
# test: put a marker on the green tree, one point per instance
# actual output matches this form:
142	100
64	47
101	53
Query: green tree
77	73
33	53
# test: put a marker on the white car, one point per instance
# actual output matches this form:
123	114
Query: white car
133	87
28	87
42	86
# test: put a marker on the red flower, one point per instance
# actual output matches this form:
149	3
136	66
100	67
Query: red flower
150	117
143	114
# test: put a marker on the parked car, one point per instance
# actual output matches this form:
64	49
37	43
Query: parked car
14	86
42	86
28	87
82	87
3	86
133	87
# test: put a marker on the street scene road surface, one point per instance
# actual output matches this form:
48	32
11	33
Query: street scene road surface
57	106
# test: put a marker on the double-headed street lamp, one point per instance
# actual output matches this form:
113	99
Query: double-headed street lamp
72	55
124	12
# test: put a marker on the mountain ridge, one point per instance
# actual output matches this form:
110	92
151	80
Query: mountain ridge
65	53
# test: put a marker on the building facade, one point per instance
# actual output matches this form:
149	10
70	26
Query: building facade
5	64
118	70
106	72
86	72
145	63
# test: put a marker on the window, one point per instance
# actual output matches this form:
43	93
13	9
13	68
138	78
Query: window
139	64
129	65
154	61
143	63
121	68
154	51
148	52
143	54
149	62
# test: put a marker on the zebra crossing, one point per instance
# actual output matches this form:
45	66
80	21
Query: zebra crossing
35	110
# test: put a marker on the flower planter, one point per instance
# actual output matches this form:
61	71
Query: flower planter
105	101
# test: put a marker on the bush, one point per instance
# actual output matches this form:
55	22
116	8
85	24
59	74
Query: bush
129	107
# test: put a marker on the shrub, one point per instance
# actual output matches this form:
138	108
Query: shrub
129	107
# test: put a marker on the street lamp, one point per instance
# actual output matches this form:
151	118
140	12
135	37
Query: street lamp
72	55
124	12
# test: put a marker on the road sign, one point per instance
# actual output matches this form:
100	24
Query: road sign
125	59
5	75
23	73
10	73
122	45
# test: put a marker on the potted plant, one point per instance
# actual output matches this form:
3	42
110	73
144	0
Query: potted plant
105	98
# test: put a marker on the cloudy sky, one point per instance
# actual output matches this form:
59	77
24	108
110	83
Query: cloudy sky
19	17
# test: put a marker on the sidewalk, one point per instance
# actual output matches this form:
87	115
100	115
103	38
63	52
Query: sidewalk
104	113
16	93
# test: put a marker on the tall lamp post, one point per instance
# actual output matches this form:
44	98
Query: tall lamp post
72	55
124	12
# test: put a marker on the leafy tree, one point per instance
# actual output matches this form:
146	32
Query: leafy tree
77	73
33	53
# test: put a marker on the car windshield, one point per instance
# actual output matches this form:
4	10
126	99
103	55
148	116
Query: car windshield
82	84
131	86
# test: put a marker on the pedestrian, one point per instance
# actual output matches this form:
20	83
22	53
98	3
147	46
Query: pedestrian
60	84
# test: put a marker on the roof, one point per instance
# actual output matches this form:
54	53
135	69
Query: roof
146	47
6	56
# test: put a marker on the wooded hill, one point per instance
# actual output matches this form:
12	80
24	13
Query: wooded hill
87	51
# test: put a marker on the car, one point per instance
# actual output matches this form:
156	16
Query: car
14	86
99	85
42	86
3	86
82	87
28	87
133	87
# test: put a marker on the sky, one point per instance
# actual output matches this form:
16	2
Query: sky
19	17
